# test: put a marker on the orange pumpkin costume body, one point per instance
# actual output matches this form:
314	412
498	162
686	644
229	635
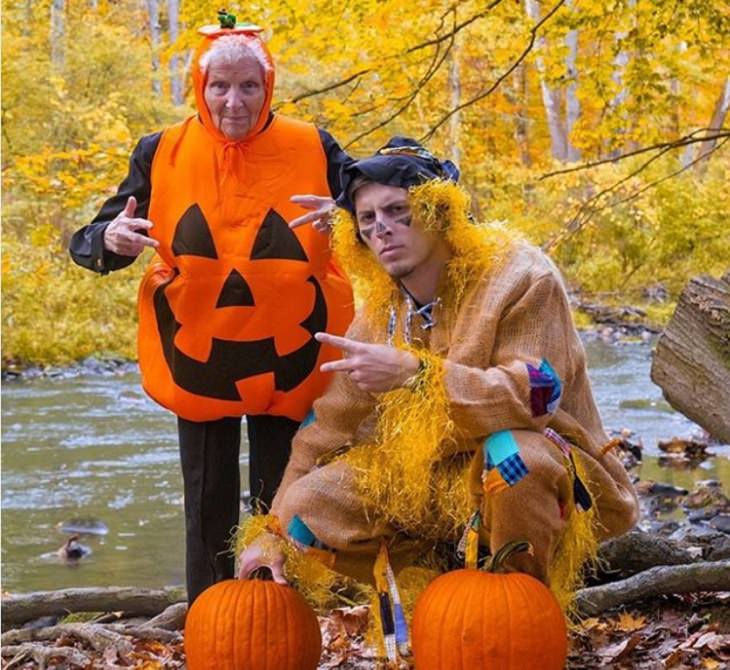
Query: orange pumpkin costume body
229	308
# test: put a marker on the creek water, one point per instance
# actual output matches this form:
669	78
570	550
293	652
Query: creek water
98	448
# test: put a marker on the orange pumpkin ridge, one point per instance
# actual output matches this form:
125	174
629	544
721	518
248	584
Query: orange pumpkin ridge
251	625
475	620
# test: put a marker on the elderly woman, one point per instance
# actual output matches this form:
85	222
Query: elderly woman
229	306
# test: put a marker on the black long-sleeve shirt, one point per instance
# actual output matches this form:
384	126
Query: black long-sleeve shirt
87	244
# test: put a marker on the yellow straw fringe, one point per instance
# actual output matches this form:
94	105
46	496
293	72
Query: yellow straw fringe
400	474
577	550
314	580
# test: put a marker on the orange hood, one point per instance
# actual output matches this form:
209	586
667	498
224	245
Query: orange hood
199	81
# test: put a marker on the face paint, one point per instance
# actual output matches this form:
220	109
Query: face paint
382	216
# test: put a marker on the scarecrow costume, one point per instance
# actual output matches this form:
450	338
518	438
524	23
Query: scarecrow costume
497	438
230	304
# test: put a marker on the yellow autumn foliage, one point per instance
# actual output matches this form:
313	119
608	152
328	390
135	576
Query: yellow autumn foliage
77	98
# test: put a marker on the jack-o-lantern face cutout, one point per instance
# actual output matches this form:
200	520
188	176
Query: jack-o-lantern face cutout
222	361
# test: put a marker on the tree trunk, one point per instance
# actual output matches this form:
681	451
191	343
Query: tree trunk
572	104
550	95
718	119
176	84
521	114
58	33
131	600
692	359
153	11
455	88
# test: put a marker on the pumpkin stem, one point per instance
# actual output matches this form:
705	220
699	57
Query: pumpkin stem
496	562
225	19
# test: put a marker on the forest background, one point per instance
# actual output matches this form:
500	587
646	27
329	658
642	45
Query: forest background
595	128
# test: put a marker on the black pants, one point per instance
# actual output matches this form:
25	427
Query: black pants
209	456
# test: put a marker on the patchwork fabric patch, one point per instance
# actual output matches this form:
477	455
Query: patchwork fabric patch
493	483
469	543
545	388
581	495
299	532
512	469
502	456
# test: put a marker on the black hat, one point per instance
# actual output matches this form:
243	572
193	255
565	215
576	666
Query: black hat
401	162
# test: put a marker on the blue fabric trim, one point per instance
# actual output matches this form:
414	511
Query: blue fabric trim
401	627
310	418
299	531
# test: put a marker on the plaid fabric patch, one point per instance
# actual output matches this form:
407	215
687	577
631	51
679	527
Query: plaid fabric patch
503	465
512	469
545	389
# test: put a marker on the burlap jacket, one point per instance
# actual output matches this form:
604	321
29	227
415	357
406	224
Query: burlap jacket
511	316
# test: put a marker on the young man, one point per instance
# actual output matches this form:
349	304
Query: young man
462	405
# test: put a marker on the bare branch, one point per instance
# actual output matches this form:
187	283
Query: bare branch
675	144
662	580
436	41
577	224
329	87
433	68
457	28
502	77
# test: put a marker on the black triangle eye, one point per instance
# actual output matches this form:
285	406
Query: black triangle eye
193	236
276	240
235	292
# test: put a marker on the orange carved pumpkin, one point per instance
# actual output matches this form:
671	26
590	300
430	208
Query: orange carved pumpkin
486	620
249	624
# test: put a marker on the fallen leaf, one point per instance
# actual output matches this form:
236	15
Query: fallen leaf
627	622
675	657
615	652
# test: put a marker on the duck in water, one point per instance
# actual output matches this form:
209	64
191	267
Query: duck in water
73	551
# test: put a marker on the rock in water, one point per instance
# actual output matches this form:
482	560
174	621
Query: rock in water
87	526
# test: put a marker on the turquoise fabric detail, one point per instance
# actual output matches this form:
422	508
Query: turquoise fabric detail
499	447
308	419
299	532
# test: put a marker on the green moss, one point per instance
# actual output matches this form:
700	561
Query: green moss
81	617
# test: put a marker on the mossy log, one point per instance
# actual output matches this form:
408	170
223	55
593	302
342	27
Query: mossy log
131	600
692	358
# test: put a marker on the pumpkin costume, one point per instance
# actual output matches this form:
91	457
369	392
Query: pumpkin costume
231	301
497	439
